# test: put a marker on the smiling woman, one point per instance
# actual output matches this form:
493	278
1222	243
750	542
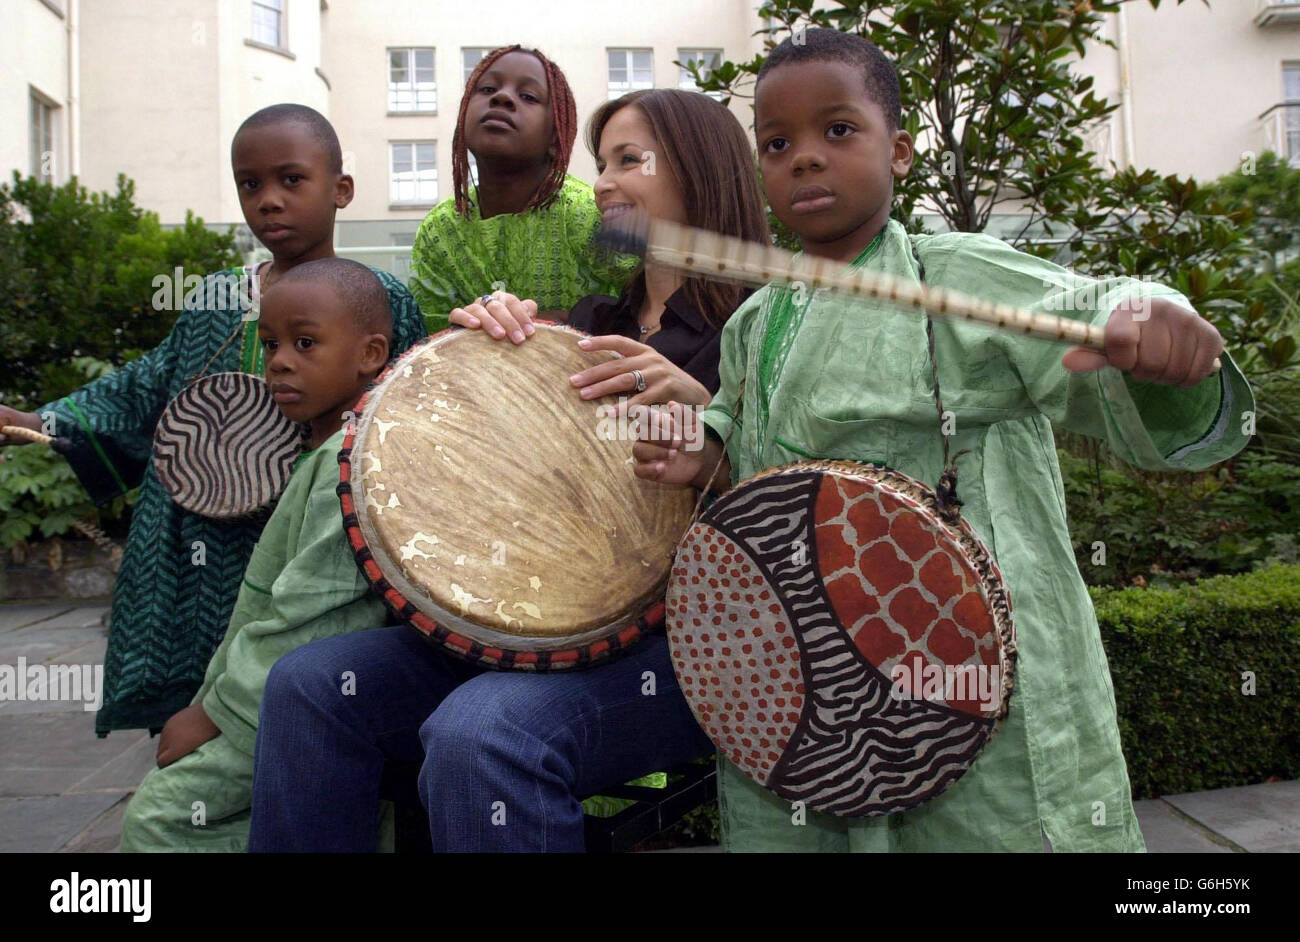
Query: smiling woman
526	227
527	747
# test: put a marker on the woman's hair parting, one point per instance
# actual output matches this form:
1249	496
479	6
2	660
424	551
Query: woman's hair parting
564	121
709	155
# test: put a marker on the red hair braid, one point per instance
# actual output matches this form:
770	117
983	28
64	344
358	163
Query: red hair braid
564	124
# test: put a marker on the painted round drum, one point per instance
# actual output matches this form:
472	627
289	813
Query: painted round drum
223	448
838	639
497	513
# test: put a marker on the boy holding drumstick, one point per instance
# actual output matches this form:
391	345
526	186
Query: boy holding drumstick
826	377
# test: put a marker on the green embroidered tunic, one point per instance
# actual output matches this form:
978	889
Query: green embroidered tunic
302	584
544	254
835	378
180	572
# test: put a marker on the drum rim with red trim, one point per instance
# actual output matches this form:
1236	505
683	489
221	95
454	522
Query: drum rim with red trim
597	647
911	493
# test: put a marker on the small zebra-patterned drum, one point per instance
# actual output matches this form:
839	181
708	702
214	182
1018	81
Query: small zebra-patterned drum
496	512
840	640
223	448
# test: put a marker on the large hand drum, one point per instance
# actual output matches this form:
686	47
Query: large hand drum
494	511
839	639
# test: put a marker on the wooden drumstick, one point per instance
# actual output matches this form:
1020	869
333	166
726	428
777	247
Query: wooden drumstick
726	258
40	438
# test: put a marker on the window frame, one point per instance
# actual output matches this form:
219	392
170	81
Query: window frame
46	130
466	73
631	84
684	81
412	84
281	27
418	202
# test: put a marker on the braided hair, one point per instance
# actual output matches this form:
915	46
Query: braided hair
564	122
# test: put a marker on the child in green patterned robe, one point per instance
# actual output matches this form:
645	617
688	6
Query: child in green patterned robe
180	572
527	227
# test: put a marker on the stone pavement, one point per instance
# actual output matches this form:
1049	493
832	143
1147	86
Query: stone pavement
62	789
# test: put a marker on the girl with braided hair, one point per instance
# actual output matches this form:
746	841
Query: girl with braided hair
527	227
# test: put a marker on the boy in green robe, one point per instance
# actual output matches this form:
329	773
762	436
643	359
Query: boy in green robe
325	328
180	572
826	377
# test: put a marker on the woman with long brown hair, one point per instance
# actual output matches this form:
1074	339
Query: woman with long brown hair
508	756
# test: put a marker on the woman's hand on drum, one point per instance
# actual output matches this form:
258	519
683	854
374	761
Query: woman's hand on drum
663	381
501	315
22	419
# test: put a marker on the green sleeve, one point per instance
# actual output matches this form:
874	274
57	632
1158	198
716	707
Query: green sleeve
1148	425
436	283
600	271
318	593
109	423
724	411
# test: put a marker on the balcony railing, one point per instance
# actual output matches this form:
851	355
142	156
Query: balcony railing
1280	126
1277	12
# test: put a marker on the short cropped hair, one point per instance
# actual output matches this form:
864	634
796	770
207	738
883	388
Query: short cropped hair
319	126
355	285
832	45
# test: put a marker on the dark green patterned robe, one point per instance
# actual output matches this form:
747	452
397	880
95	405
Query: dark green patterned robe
180	572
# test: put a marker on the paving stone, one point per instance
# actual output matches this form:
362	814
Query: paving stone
1167	833
1260	818
49	753
125	771
84	617
20	616
38	643
43	825
104	835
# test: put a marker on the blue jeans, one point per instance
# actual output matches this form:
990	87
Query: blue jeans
507	756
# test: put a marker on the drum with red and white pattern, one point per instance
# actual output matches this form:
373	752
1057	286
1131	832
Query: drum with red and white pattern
840	639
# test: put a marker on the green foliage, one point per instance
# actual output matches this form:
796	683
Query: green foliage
1177	658
76	279
40	496
1167	528
1271	187
988	94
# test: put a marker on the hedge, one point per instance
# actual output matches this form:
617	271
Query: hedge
1183	661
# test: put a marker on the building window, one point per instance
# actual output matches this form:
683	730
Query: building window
1291	99
268	23
707	59
629	70
413	173
42	139
411	85
470	57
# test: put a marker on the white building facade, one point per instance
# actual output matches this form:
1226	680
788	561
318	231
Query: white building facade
156	88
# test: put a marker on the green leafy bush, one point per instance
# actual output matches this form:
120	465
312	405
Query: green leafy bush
77	274
1207	680
1168	528
40	497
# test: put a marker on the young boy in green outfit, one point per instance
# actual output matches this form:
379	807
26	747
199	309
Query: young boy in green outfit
326	330
830	377
180	573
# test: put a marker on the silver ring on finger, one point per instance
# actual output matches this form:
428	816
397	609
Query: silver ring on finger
639	379
485	299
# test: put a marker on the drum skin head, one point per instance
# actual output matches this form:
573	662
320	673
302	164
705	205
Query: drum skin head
839	641
494	510
223	449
